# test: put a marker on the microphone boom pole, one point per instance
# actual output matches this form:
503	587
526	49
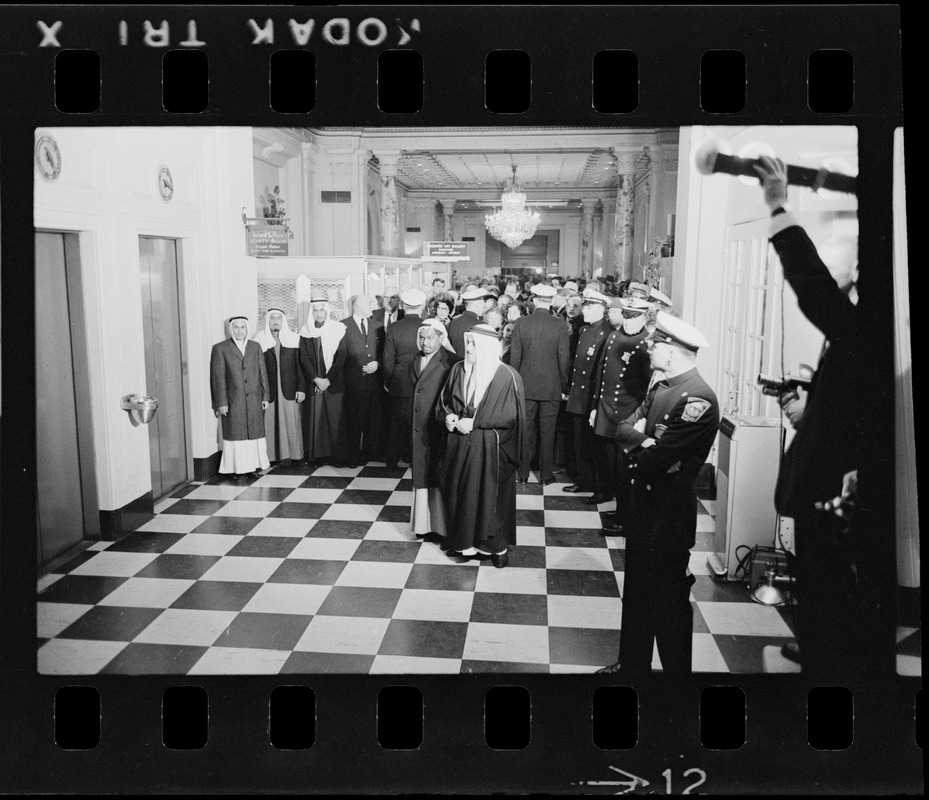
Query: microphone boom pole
709	160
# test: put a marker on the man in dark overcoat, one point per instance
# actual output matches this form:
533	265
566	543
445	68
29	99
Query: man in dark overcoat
428	370
539	353
400	346
240	390
362	414
667	439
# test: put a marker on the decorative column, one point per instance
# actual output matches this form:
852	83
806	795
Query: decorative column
597	241
607	225
587	235
448	212
623	226
390	203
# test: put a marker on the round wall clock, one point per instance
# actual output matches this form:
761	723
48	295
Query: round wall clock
165	184
48	157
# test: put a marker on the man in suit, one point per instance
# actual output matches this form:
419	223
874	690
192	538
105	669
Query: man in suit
400	346
667	439
539	353
391	312
363	341
474	310
428	371
844	567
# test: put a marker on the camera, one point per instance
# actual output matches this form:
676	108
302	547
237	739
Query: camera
775	387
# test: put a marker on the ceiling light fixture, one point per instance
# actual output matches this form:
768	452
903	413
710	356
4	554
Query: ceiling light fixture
513	223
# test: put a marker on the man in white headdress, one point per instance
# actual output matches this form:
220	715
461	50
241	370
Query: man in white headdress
483	408
428	370
239	388
322	357
281	347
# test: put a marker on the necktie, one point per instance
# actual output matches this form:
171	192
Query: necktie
364	329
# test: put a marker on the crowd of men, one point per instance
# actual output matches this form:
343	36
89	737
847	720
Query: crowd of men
475	387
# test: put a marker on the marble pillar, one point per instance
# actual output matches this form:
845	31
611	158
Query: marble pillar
587	236
390	205
448	213
622	232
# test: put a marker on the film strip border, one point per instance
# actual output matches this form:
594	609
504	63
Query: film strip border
490	66
394	65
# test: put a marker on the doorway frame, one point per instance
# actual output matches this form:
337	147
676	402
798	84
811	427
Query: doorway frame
79	251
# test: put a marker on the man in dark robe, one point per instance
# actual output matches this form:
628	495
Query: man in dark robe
240	390
428	371
482	406
400	346
283	428
361	412
322	357
668	438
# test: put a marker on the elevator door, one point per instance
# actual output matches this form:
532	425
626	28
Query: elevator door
65	486
164	367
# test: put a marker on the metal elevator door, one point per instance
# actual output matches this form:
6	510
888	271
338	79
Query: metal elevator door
67	508
164	366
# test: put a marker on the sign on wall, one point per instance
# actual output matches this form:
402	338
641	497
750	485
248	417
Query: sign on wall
264	242
445	250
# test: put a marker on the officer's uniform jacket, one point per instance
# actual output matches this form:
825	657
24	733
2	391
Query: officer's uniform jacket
622	381
586	365
682	415
539	353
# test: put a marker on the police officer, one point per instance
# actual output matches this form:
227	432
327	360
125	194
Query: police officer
539	353
621	385
474	300
593	472
667	438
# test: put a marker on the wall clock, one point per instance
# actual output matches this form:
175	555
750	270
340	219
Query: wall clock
48	157
165	184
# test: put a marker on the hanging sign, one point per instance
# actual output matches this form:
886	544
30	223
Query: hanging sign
445	251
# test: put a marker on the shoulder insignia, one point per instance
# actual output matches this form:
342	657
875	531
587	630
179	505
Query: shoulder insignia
695	408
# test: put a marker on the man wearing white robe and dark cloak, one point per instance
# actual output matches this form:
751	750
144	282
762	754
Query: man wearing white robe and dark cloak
240	390
283	431
322	359
428	370
483	408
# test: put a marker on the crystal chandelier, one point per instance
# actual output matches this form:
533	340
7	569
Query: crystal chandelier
513	223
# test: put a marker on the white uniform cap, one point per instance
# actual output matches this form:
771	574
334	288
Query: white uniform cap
474	294
634	303
660	297
571	285
593	296
543	290
412	297
675	331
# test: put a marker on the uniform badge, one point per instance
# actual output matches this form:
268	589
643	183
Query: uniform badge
590	350
695	408
626	356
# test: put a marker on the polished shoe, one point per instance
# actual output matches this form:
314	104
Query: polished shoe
499	560
548	481
597	499
611	529
791	651
523	481
574	489
612	669
608	515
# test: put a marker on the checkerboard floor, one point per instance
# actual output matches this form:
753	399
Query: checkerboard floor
308	570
